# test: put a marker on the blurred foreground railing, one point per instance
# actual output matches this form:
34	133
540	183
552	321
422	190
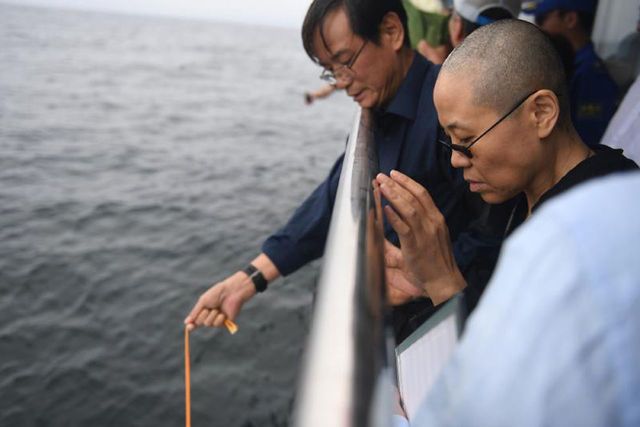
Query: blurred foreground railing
347	376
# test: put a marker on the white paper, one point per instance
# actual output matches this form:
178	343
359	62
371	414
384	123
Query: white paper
420	365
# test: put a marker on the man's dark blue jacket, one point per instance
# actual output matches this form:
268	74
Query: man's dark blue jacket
406	138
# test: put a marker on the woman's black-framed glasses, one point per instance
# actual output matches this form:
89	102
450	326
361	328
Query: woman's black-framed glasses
342	72
465	149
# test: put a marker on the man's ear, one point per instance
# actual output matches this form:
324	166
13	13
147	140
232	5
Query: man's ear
456	29
570	19
545	109
391	31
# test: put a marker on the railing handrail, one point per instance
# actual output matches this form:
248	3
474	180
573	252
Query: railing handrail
346	375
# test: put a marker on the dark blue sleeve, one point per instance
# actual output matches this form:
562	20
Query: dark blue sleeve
303	238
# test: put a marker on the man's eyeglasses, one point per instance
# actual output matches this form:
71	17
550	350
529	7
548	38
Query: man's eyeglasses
465	149
342	72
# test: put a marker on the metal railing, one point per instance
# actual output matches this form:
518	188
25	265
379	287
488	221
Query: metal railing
347	373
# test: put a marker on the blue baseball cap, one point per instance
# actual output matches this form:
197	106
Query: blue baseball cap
541	7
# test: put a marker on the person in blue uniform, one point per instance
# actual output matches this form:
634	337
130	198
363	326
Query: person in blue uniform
593	93
364	49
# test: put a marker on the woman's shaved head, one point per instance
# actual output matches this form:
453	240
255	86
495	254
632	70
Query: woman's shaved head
506	60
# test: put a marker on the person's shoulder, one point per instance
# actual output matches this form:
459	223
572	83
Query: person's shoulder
597	68
600	70
613	191
595	73
425	108
432	73
599	217
429	77
613	158
596	92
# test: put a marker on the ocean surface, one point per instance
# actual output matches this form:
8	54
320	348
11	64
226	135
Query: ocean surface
142	159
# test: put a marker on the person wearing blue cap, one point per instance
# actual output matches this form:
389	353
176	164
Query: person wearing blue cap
594	94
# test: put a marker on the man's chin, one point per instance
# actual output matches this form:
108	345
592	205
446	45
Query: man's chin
366	102
367	99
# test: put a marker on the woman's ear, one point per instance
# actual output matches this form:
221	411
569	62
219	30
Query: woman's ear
392	31
546	112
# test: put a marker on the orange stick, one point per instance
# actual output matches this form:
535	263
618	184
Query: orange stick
231	327
187	377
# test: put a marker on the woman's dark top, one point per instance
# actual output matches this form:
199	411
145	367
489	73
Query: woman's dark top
605	161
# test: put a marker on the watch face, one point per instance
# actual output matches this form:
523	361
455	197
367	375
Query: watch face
259	281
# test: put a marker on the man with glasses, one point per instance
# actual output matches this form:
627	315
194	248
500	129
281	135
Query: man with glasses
364	49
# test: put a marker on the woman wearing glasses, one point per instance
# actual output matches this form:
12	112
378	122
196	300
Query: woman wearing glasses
502	102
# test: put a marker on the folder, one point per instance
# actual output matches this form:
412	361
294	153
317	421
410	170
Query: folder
421	357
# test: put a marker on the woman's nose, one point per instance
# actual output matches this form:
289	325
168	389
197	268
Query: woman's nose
459	160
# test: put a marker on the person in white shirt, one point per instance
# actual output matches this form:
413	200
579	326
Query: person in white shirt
555	340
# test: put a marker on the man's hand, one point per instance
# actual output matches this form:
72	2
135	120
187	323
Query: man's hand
225	299
424	237
402	287
222	301
436	54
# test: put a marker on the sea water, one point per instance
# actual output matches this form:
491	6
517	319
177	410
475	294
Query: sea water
142	159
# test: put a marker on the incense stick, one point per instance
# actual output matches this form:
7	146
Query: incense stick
232	328
187	378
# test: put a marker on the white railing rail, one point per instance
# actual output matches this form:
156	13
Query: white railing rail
347	375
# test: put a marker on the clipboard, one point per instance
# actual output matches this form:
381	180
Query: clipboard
422	356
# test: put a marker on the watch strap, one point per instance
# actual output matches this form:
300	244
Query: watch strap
256	277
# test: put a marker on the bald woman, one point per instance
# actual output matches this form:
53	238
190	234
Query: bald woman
503	103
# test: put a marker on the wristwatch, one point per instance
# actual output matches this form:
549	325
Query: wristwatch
256	277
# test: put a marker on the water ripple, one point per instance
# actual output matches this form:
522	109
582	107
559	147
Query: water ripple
143	159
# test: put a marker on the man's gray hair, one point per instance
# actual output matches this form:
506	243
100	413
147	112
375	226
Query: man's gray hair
507	60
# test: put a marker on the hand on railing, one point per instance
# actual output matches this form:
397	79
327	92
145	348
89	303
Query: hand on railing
424	237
